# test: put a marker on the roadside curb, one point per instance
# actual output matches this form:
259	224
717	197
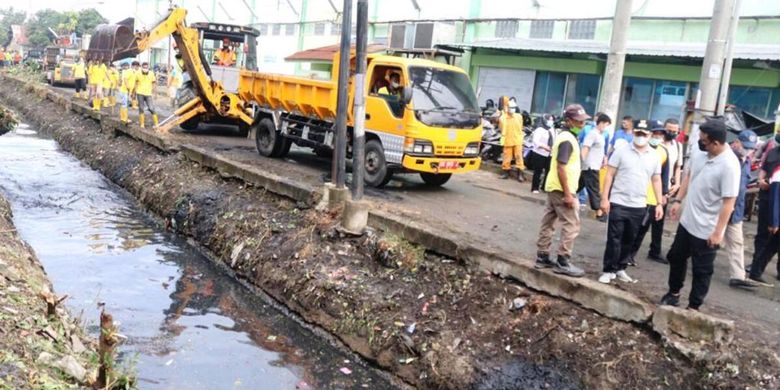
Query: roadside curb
606	300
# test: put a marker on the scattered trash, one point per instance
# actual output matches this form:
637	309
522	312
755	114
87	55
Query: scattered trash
69	365
169	362
406	360
302	385
410	329
421	296
455	344
425	309
271	338
399	324
345	370
508	348
584	326
518	303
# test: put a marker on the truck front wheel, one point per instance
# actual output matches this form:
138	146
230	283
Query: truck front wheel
377	173
435	179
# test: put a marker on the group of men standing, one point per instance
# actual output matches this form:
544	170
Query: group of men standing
101	82
633	178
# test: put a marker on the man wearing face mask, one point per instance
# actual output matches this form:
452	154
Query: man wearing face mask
394	89
656	142
562	205
675	149
733	243
767	216
539	160
145	90
512	137
624	199
707	194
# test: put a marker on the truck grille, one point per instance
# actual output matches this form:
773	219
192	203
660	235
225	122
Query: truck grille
66	72
449	150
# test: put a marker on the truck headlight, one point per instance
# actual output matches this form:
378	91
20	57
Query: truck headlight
472	149
417	146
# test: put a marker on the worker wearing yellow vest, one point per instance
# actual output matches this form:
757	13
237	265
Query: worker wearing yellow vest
98	78
511	125
126	86
144	90
136	68
562	204
106	102
80	78
90	80
225	56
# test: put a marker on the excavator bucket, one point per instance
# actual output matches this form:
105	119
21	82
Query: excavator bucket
113	42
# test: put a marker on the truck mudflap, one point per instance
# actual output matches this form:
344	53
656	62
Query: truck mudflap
441	164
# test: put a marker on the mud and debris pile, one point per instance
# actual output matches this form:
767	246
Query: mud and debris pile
41	347
7	120
428	319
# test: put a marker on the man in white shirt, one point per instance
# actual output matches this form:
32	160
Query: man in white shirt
707	195
593	159
539	159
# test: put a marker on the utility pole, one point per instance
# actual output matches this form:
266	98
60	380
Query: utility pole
616	60
724	84
338	172
712	68
359	131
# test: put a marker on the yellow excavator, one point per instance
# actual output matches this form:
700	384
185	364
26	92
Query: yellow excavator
429	124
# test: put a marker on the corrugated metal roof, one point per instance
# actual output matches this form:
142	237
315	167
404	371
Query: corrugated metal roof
660	49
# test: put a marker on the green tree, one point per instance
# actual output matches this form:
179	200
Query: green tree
9	16
87	19
62	23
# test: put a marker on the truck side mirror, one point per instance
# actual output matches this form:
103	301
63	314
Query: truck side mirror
406	95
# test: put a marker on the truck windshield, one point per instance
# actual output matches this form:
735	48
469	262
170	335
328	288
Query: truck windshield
443	98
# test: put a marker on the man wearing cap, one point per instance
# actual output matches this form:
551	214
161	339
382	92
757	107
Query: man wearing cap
562	204
707	196
733	242
624	199
649	222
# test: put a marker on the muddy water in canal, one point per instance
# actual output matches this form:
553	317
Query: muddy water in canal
188	326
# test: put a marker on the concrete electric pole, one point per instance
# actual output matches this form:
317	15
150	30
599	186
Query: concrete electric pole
616	60
712	68
724	84
338	171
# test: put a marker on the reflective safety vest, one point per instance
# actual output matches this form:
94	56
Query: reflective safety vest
78	71
144	83
572	168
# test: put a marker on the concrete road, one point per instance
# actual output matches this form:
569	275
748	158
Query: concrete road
504	215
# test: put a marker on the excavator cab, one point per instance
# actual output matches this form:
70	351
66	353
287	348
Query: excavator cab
240	41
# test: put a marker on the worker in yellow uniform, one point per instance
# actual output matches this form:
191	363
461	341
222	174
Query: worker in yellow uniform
98	77
225	56
136	69
106	101
80	78
511	125
144	90
90	80
113	84
126	86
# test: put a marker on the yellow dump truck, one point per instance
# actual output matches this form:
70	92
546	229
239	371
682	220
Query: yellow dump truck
431	125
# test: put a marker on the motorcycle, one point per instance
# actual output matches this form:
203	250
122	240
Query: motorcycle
491	148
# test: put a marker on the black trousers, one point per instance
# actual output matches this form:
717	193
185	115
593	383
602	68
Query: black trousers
589	179
702	257
769	250
762	232
656	234
622	227
81	85
541	165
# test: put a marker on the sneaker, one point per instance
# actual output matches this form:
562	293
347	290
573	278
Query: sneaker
607	277
760	281
623	277
504	175
564	267
742	283
670	299
535	191
632	260
543	261
658	258
602	218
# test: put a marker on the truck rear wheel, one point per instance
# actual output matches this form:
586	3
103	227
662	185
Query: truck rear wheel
377	173
435	179
190	124
268	141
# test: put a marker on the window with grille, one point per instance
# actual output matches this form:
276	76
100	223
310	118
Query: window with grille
335	28
277	29
506	28
289	29
582	29
319	28
542	29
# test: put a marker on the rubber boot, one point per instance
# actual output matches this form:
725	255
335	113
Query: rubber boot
155	120
141	120
123	115
96	104
113	101
106	102
135	103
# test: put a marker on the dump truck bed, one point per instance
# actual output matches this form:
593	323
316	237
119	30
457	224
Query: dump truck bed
293	94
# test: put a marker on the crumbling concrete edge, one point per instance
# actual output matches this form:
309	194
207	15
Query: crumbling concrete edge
606	300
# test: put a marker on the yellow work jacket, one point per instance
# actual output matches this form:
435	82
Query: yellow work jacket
144	84
99	75
127	83
662	155
225	57
78	71
572	168
511	129
113	77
